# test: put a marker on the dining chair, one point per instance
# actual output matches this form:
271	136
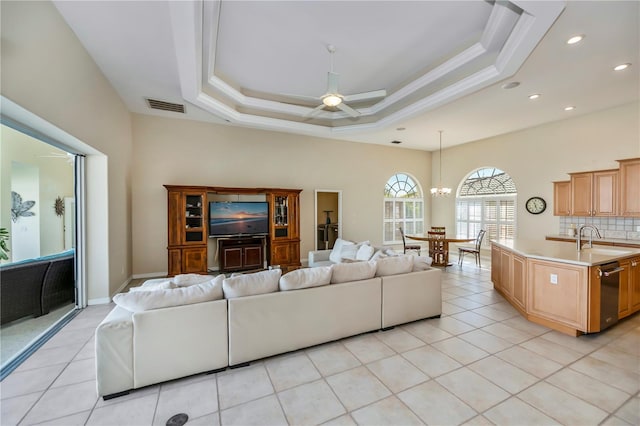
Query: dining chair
410	247
438	228
437	249
475	250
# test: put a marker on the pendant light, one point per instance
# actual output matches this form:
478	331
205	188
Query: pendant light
440	191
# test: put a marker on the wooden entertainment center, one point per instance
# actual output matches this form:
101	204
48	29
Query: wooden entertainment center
187	238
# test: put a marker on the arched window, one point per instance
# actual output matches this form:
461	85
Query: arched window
486	199
403	207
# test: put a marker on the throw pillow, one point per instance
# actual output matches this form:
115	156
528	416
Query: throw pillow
251	284
335	256
155	284
348	252
345	272
378	255
394	265
140	301
304	278
421	263
364	252
184	280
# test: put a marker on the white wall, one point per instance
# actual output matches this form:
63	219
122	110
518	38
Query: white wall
48	72
182	152
536	157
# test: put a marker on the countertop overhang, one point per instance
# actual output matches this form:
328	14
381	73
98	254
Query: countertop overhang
565	252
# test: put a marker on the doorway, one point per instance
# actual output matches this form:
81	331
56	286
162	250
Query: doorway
328	218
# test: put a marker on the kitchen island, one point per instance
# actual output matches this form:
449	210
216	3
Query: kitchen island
553	284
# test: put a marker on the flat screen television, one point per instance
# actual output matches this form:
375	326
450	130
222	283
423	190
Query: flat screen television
235	218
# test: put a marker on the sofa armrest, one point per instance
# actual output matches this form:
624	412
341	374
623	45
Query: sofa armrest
317	256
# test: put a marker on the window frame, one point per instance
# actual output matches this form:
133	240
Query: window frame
408	200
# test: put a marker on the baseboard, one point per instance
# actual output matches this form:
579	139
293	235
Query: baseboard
123	286
150	275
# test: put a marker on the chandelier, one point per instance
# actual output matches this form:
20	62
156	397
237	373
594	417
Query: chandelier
440	191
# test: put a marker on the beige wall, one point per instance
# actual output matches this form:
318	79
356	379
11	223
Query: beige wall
185	152
538	156
47	71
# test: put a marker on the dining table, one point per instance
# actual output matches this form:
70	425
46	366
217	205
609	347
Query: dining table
445	241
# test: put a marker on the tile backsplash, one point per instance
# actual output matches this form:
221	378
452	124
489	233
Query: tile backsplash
627	228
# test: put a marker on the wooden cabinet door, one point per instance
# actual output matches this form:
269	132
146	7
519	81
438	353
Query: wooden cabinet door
634	285
252	257
495	266
231	258
281	254
630	187
194	260
505	273
519	277
605	193
624	302
581	194
562	198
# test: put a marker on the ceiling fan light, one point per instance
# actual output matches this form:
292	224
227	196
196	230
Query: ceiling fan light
332	100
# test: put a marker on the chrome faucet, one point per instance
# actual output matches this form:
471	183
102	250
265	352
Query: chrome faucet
579	238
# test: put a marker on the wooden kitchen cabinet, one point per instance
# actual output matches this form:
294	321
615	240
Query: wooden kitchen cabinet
495	267
562	198
519	279
630	187
629	292
557	294
594	193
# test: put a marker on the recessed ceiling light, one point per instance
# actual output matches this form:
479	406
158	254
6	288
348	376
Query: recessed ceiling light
396	142
621	67
534	96
575	39
569	108
511	85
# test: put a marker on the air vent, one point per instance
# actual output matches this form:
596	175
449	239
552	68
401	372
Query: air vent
165	106
396	142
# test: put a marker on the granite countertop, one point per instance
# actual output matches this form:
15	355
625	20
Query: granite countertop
558	251
596	240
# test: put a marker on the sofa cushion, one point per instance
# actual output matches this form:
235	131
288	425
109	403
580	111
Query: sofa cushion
251	284
307	277
185	280
336	253
394	265
345	272
139	301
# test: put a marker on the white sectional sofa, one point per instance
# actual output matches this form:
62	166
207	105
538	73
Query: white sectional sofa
147	340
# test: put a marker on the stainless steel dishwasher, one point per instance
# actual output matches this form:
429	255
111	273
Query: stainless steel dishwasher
609	287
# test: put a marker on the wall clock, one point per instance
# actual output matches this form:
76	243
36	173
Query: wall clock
536	205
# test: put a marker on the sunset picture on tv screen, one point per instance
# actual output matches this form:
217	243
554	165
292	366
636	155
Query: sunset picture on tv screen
238	218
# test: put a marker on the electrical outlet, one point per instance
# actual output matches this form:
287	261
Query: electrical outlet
554	278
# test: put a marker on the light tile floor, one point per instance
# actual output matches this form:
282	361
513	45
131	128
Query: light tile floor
481	363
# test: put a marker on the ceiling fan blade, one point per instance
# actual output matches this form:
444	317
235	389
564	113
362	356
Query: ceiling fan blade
332	85
315	110
365	96
346	108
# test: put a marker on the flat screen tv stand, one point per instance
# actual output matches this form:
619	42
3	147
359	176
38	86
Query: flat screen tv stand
241	253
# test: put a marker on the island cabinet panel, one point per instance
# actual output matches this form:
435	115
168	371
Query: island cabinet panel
562	198
505	273
519	279
630	187
629	292
495	266
558	293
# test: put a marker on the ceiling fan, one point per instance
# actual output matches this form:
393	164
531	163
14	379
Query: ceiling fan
334	99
